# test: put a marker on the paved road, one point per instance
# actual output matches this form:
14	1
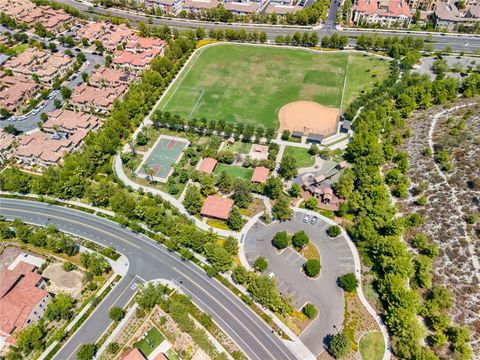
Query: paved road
31	121
457	43
149	261
336	259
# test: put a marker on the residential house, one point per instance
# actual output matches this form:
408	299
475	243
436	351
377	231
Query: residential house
242	8
281	9
448	16
260	175
196	6
384	12
23	299
68	122
207	165
6	145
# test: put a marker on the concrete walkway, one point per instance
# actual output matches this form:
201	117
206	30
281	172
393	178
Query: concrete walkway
118	168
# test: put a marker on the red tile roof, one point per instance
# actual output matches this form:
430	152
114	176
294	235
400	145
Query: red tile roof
217	207
134	354
260	174
207	165
21	296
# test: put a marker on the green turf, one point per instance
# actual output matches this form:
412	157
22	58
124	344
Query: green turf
240	147
155	339
234	171
363	71
304	159
372	346
251	83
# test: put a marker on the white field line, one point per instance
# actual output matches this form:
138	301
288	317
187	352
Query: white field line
196	104
344	82
180	80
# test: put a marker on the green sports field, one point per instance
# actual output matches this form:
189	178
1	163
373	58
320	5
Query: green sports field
249	84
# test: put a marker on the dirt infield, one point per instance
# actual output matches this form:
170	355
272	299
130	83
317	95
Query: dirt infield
309	117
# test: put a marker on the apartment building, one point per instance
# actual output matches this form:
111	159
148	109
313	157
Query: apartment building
448	16
383	12
169	7
108	77
47	66
96	100
197	6
138	53
67	122
15	92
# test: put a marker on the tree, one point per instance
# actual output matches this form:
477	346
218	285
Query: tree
231	245
193	200
150	296
86	352
310	311
333	231
235	220
95	263
262	37
224	182
260	264
285	135
241	193
348	282
312	203
273	187
52	46
345	185
300	239
10	129
5	113
116	313
68	266
262	289
295	190
66	92
220	259
240	275
281	209
60	308
113	347
31	338
339	345
200	33
280	240
57	103
288	167
141	139
312	267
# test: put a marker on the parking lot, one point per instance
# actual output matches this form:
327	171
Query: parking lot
335	257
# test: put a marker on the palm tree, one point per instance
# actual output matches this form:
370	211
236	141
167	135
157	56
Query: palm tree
148	170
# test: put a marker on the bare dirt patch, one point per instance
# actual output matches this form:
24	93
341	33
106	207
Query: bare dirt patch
63	281
309	117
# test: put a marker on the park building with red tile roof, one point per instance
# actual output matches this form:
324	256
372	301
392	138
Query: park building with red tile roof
207	165
260	175
217	207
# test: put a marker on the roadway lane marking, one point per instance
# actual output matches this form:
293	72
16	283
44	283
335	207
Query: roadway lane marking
228	311
151	242
75	222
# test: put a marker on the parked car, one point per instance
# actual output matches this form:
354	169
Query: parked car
306	219
314	220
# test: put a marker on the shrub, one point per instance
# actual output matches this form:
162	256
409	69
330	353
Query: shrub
240	275
333	231
260	264
86	352
312	267
339	345
68	266
116	313
299	239
280	240
310	311
113	347
348	282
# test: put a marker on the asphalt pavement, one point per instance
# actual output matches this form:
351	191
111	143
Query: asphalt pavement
149	260
458	42
336	260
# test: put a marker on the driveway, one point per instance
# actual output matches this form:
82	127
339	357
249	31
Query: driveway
336	259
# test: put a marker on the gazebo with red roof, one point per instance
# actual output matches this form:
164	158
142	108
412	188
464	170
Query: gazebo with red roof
260	175
207	165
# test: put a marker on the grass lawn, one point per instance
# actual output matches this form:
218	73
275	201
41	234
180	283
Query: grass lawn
249	84
234	171
304	159
150	342
310	252
372	346
240	147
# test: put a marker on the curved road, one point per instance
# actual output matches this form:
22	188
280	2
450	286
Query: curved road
149	260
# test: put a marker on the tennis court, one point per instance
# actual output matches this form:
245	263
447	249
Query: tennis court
159	160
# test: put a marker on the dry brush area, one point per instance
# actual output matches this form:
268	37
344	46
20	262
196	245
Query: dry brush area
444	157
